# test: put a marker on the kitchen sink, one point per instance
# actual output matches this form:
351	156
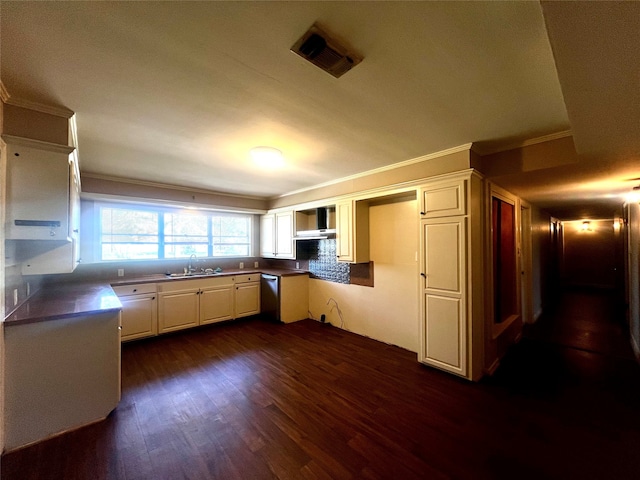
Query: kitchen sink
193	274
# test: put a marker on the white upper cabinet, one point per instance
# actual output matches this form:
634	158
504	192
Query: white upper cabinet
443	199
276	235
39	186
352	231
43	205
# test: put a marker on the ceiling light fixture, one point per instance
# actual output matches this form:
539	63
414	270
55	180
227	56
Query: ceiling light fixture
586	226
267	157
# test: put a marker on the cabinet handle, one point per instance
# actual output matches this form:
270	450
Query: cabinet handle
424	275
422	213
75	230
135	290
153	298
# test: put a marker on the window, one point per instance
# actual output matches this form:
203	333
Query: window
135	232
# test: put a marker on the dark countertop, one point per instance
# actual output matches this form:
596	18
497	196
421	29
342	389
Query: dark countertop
280	272
75	299
63	301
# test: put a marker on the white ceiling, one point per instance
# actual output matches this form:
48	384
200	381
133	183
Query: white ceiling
178	92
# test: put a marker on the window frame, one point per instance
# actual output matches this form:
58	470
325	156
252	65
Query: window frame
209	214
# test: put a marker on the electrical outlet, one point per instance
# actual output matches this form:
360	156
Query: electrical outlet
241	264
297	265
121	272
15	297
255	264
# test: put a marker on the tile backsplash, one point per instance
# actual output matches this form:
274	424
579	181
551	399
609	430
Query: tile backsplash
323	262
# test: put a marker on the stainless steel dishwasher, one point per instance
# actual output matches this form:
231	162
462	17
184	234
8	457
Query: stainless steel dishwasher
270	297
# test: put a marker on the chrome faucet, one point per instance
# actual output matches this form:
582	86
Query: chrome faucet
190	267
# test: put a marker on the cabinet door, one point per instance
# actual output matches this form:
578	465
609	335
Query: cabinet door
443	329
443	199
352	231
267	235
247	299
344	231
178	310
74	212
216	304
139	316
37	192
284	235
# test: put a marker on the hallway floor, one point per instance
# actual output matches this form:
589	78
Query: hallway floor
577	362
256	399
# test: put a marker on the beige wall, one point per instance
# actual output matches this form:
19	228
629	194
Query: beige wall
388	311
166	193
27	123
589	256
633	265
3	185
450	163
540	237
532	157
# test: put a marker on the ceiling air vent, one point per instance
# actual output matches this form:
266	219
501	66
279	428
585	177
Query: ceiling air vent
325	52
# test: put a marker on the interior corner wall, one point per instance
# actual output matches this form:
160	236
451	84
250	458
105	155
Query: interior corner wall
589	258
540	239
3	184
388	311
634	275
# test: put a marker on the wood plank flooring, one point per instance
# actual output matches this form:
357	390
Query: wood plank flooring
254	399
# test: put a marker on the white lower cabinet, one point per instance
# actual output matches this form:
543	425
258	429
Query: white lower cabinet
178	310
216	302
247	298
452	275
139	310
444	252
189	303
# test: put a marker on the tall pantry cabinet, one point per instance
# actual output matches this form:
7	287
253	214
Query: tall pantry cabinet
452	241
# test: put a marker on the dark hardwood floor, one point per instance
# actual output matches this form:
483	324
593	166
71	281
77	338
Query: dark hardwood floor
252	399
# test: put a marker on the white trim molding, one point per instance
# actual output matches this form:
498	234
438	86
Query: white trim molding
145	183
38	107
393	166
521	144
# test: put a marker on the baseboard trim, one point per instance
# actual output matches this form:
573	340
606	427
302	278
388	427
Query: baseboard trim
494	366
537	315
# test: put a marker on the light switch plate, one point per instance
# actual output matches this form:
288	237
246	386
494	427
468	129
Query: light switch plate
241	264
255	264
121	272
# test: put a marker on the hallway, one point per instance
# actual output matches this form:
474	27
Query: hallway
576	365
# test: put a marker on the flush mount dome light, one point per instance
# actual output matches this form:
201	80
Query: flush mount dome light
267	157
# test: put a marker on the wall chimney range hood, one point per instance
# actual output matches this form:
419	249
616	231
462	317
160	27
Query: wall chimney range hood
321	232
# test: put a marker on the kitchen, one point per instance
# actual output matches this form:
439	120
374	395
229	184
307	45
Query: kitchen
371	279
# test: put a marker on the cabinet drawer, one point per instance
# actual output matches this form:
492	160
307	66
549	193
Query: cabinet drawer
251	277
124	290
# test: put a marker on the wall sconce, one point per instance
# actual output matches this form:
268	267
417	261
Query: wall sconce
586	226
617	224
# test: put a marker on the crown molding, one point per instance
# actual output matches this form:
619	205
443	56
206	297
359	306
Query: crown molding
38	107
386	168
524	143
144	183
39	144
